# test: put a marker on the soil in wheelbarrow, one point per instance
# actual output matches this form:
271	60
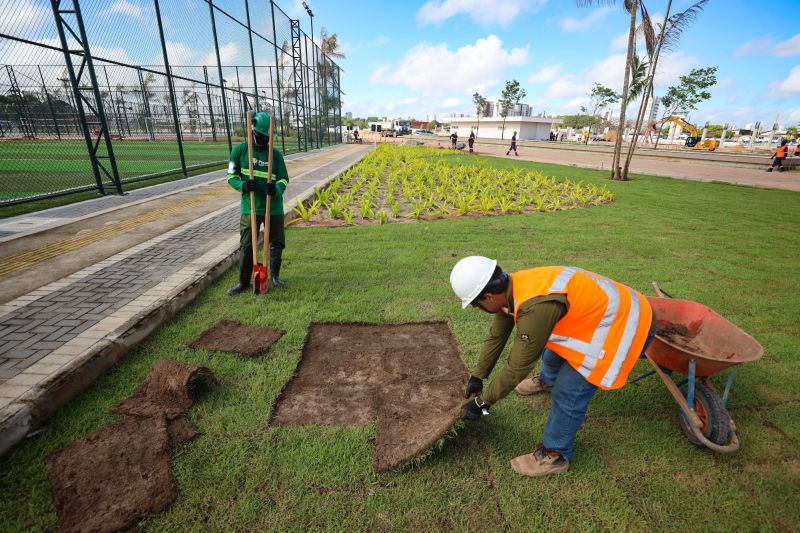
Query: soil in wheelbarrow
679	335
232	336
359	374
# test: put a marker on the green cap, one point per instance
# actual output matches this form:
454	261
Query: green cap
261	123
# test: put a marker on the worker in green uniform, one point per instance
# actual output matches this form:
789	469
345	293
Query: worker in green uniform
239	179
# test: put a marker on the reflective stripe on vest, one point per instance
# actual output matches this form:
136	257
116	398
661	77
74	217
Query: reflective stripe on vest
594	350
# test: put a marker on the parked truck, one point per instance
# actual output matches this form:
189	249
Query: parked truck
391	128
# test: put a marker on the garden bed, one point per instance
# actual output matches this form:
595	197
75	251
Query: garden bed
406	184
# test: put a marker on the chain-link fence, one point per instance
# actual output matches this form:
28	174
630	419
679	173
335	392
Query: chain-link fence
95	94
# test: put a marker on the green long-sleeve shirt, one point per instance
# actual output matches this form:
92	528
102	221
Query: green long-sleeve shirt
535	322
239	172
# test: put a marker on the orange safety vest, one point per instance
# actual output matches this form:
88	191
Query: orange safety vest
782	152
605	328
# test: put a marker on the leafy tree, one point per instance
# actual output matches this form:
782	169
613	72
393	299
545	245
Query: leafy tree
510	97
600	97
792	133
639	77
689	93
433	124
578	121
480	105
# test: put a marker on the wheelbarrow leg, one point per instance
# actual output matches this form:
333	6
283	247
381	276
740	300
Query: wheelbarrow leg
690	386
728	387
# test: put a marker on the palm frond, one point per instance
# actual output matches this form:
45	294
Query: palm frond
679	22
646	27
589	3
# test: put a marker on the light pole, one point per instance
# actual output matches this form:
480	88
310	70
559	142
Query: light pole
316	66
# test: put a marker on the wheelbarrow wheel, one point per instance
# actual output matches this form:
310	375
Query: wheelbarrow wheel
713	415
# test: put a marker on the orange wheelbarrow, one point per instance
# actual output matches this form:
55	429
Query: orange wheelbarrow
693	340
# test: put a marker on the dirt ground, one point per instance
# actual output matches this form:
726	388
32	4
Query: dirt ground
111	478
232	336
358	374
679	335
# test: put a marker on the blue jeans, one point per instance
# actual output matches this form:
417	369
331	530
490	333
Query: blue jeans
571	395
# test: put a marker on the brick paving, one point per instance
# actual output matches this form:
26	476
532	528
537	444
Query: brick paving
47	330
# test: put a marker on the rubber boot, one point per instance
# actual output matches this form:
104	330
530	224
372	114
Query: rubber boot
275	258
245	272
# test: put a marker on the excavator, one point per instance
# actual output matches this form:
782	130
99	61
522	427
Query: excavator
693	140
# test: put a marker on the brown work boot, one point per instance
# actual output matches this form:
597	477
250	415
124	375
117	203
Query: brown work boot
540	463
531	386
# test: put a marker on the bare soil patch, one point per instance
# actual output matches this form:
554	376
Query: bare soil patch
169	390
106	481
232	336
679	335
408	378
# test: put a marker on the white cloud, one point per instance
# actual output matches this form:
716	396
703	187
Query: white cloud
609	72
124	7
484	12
545	74
451	102
585	23
620	42
767	45
672	66
27	17
436	70
380	40
180	54
791	85
228	53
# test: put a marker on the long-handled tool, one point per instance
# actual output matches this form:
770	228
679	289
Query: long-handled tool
264	286
259	271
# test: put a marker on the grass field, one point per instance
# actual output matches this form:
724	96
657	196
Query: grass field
732	248
29	168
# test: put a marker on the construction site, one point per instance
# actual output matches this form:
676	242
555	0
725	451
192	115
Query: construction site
221	310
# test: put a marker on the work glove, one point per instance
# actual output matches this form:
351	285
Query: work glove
270	188
474	386
474	409
250	186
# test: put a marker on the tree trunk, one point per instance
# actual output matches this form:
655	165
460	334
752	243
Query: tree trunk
616	171
503	131
648	92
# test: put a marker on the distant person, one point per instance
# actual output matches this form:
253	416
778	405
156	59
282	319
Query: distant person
563	137
453	140
355	136
778	157
471	140
513	145
797	149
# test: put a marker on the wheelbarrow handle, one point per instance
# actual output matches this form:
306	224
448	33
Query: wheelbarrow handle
659	292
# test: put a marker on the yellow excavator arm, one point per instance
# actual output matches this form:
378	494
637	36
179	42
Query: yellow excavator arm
679	122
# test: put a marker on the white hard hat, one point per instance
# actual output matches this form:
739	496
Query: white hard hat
470	276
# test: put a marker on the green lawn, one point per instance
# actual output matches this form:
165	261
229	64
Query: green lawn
732	248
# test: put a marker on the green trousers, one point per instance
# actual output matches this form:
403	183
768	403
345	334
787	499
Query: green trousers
277	234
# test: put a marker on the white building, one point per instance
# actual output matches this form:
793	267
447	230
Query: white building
527	128
651	110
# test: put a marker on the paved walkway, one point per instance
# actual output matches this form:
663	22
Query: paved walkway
56	339
678	166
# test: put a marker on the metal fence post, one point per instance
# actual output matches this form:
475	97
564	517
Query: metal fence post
114	107
210	105
221	79
277	75
49	102
146	102
252	53
339	101
172	95
80	99
297	73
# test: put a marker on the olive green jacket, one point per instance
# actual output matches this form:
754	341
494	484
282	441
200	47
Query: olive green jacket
535	322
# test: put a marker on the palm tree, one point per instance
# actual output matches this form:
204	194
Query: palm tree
631	7
670	31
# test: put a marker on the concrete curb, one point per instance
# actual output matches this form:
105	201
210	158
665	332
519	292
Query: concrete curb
61	376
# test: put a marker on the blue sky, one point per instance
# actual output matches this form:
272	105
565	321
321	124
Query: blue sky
423	58
426	58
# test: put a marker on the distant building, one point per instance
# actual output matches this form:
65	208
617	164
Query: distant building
527	128
493	109
488	108
651	111
349	115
